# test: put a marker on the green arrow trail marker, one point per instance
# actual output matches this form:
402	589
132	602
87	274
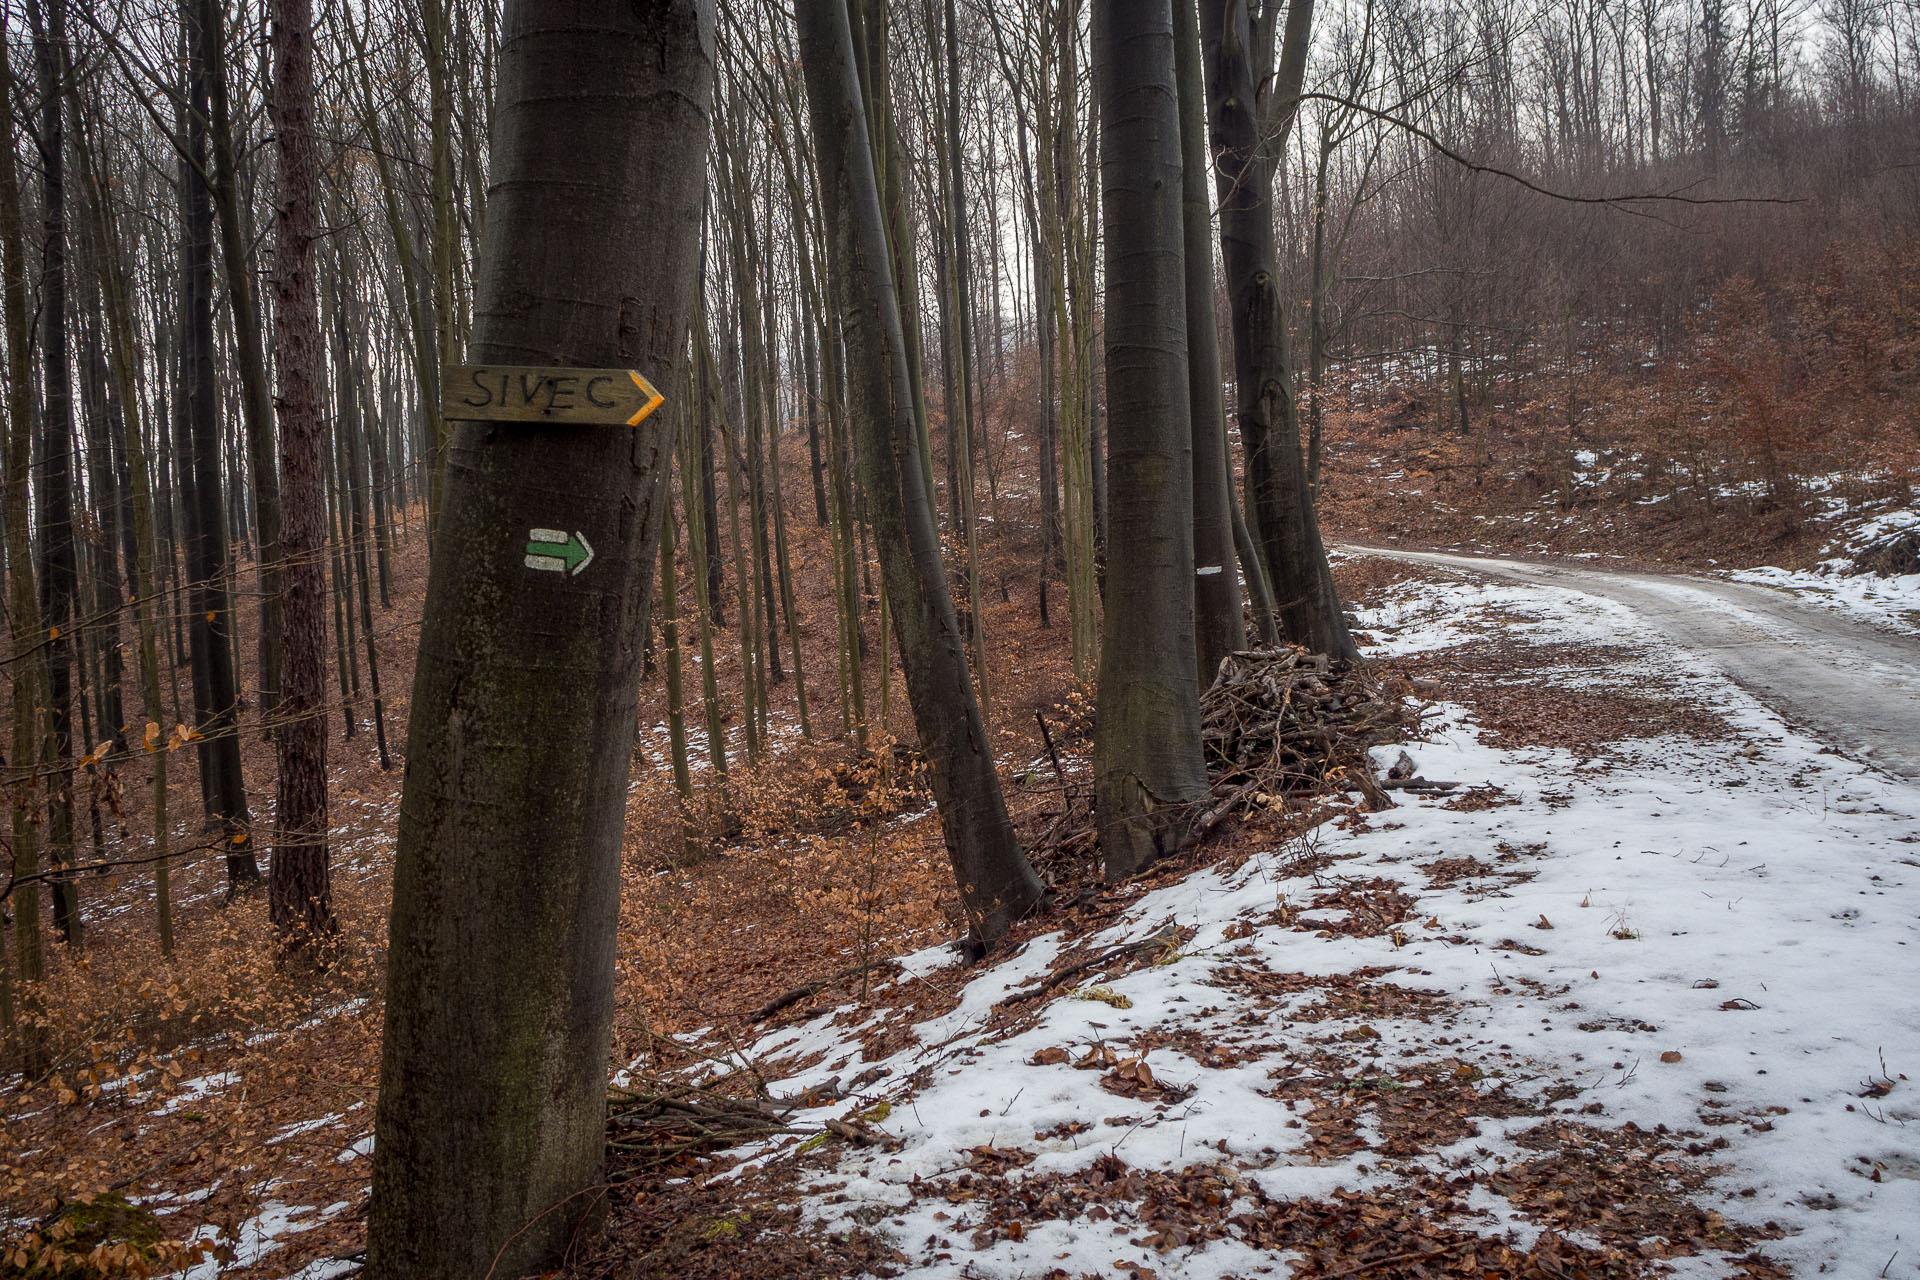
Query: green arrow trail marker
557	551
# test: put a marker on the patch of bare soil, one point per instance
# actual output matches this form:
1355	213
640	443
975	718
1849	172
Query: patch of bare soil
1568	696
740	1229
1629	1187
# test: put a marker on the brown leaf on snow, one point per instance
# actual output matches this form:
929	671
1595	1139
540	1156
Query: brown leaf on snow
991	1159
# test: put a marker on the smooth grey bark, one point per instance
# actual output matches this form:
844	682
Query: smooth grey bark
1148	772
997	885
1218	628
1250	113
491	1122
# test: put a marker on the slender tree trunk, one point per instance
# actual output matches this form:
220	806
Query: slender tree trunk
346	668
710	495
209	563
256	398
355	486
752	678
697	535
1249	120
300	894
804	342
963	367
1319	296
122	355
109	587
24	624
352	429
433	26
670	643
492	1114
59	564
996	883
1253	570
1218	627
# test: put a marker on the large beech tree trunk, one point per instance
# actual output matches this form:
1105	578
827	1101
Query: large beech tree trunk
506	887
1147	766
1249	112
996	883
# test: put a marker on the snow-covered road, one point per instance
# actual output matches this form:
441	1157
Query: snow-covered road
1853	685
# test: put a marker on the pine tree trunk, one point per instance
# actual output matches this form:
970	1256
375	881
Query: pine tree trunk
300	894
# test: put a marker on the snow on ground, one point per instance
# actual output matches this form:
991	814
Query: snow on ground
1718	937
1893	603
1890	602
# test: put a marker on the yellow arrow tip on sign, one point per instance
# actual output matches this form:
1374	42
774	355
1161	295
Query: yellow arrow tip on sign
647	389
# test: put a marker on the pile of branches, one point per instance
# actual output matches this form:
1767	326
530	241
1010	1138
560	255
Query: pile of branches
1890	555
647	1129
1277	726
1283	724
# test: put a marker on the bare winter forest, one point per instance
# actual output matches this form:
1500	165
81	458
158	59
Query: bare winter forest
960	638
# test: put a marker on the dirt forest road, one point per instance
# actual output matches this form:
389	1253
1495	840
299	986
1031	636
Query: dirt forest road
1853	685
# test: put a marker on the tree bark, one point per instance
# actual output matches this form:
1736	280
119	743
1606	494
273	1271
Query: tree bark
1249	121
997	886
491	1122
23	606
1148	771
256	398
300	895
137	486
59	563
1218	627
209	555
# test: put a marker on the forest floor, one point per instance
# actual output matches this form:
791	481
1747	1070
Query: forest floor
1576	1016
1391	482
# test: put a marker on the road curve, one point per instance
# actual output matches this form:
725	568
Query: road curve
1852	685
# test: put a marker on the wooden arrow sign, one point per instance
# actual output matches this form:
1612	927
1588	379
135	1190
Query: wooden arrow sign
513	393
